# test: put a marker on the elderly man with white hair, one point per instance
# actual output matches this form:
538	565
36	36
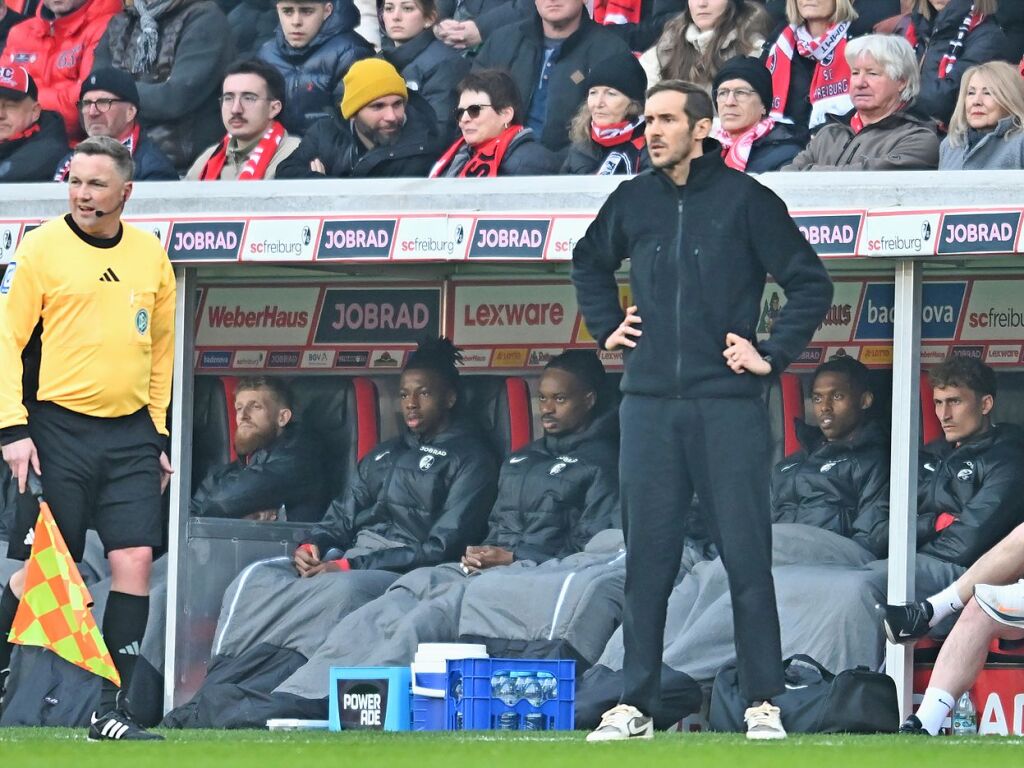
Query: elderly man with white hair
884	131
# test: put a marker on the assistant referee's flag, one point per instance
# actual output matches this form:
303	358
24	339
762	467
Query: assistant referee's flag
54	609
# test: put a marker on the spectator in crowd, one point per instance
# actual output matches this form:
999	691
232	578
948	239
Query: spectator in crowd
466	23
256	143
751	140
277	468
383	131
839	481
109	105
549	57
177	52
8	18
429	67
494	141
697	42
810	71
31	141
1011	19
56	47
253	23
426	492
884	131
872	15
313	49
949	36
608	130
986	131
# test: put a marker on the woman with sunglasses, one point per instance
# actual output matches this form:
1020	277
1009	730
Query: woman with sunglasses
494	141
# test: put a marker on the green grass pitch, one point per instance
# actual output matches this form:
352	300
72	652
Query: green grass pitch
60	748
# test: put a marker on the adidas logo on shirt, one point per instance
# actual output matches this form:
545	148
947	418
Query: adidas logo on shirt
110	276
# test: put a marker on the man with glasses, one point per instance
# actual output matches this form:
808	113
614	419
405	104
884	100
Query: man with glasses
109	106
256	143
31	140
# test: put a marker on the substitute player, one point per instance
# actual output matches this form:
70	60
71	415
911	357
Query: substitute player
700	238
101	293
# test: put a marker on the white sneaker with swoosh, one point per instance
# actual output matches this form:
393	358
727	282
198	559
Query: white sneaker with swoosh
764	722
621	723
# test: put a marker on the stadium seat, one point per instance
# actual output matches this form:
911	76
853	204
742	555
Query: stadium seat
213	427
501	406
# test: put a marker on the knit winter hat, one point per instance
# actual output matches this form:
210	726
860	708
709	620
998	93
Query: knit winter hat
368	80
115	81
750	69
622	72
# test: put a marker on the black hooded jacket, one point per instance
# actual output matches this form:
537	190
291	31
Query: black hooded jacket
433	497
974	493
34	157
557	492
313	74
699	255
840	486
288	472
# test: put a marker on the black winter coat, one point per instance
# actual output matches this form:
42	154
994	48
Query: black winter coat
150	163
980	484
344	155
253	23
287	473
433	70
699	255
841	486
313	74
776	149
986	42
9	20
1011	18
520	50
489	15
557	492
587	159
35	157
525	156
433	497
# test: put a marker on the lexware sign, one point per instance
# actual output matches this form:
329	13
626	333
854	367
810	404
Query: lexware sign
378	315
492	314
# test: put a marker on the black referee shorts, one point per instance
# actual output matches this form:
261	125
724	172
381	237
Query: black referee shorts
97	473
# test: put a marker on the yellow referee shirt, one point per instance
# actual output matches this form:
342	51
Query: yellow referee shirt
108	324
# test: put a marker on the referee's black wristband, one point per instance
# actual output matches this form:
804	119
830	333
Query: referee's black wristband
14	434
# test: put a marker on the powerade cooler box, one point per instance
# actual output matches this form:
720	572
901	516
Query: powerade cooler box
370	698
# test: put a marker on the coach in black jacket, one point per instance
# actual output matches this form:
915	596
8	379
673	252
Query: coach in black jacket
557	53
701	238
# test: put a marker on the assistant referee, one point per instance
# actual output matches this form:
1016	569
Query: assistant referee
100	294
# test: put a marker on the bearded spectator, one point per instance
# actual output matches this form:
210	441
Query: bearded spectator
109	106
429	67
986	131
751	140
383	131
549	57
177	52
8	18
313	48
31	140
494	141
608	130
256	143
810	73
950	36
697	42
884	131
56	48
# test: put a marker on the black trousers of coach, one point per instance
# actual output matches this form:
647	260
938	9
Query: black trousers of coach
720	449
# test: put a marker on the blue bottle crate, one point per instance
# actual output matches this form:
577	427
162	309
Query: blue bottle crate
478	710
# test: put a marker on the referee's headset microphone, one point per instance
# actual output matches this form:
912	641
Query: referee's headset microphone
101	214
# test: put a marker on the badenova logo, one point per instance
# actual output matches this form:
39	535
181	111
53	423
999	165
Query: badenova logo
994	232
509	238
215	358
831	235
941	305
356	239
205	240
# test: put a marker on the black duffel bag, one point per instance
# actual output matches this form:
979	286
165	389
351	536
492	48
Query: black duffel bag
815	700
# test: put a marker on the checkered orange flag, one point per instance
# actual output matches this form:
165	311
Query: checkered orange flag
54	609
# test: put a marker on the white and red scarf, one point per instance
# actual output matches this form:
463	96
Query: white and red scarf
610	12
129	140
971	20
484	159
736	152
830	85
624	143
256	164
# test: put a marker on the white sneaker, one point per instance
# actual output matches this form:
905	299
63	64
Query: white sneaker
621	723
1004	604
763	722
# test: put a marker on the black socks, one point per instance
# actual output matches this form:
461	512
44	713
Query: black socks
124	624
8	607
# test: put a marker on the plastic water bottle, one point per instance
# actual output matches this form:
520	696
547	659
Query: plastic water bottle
965	717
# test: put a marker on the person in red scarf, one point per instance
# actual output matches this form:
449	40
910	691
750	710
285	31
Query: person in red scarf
109	106
494	141
949	37
608	130
256	143
810	76
751	140
31	140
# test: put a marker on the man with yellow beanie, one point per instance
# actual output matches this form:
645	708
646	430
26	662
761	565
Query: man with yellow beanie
383	130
